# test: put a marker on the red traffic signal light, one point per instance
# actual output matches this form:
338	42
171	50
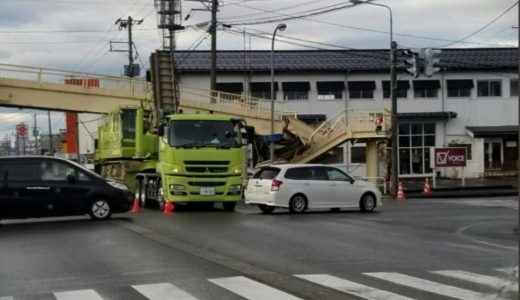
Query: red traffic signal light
378	124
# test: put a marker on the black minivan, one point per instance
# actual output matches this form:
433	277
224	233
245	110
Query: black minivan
44	186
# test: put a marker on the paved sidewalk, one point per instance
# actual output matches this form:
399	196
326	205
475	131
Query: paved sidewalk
474	187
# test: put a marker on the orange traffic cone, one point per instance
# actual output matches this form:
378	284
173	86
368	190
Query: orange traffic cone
135	208
400	193
168	207
427	190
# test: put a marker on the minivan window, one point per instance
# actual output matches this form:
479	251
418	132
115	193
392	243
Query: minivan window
267	173
304	173
55	171
18	171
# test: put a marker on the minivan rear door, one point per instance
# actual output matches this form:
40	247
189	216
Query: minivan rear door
20	195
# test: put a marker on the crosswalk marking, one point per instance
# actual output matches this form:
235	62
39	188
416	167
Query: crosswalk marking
80	294
251	289
428	286
162	291
480	279
353	288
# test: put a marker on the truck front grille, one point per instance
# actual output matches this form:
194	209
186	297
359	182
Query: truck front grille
206	169
207	162
213	183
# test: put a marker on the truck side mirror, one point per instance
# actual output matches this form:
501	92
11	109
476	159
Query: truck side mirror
250	134
160	129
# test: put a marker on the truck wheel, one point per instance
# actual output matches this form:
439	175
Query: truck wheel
229	206
140	192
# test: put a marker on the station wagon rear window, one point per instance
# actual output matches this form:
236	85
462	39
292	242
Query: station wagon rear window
267	173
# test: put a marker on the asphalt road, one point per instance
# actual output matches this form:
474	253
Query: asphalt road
418	248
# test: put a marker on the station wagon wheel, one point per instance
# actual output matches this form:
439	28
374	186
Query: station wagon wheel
298	203
100	209
367	202
266	209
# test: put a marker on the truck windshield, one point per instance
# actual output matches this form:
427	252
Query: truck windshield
204	133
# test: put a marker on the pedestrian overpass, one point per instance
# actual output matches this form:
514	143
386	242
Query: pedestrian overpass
39	88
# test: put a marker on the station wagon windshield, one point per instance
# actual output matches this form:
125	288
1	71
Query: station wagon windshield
201	133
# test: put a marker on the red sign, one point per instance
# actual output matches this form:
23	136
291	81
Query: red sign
21	130
450	157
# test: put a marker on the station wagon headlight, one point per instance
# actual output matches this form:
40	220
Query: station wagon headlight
118	185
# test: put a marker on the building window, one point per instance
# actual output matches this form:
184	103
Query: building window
415	141
230	87
330	90
358	154
426	88
296	90
513	88
262	89
459	88
489	88
400	92
469	154
361	89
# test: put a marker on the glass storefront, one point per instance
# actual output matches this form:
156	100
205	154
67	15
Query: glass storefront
415	140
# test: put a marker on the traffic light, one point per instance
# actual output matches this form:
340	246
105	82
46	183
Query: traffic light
413	61
378	124
431	57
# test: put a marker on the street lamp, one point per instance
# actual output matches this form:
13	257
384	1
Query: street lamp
393	80
280	27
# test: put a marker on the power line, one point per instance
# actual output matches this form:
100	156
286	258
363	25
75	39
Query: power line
364	29
67	31
481	28
77	2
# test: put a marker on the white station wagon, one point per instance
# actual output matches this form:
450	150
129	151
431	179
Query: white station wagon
302	186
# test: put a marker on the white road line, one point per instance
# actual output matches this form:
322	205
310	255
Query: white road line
251	289
428	286
353	288
508	270
490	281
162	291
80	294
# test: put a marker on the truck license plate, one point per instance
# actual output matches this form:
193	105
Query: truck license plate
207	191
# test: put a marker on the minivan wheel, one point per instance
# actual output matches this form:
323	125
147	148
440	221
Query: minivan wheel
298	204
100	209
266	209
367	202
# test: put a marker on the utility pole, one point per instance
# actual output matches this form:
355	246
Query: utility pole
50	133
393	89
35	134
213	32
132	69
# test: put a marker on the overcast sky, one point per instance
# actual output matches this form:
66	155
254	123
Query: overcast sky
75	34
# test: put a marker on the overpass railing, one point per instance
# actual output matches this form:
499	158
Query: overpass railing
85	82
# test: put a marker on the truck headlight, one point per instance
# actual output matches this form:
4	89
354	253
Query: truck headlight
177	187
235	187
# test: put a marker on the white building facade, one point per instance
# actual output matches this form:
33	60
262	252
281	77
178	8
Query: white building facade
472	102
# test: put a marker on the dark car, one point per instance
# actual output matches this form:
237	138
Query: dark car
43	186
